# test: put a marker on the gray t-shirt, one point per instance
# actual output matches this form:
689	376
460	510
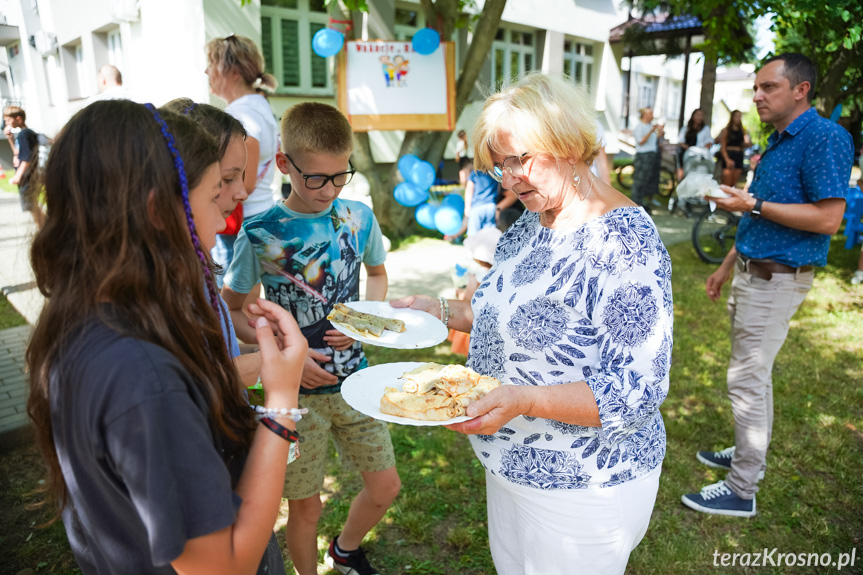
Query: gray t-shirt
142	465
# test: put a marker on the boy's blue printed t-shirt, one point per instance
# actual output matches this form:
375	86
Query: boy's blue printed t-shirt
307	263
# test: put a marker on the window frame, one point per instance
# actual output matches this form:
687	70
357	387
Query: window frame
304	17
510	49
577	54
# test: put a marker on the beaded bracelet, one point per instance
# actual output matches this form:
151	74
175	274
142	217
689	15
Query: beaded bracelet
280	413
444	310
280	430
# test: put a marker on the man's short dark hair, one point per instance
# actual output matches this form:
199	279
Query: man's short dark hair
798	69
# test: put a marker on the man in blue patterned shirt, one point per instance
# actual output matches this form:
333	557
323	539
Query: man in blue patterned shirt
794	204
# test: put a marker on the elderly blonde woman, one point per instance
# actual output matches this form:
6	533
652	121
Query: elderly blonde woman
576	316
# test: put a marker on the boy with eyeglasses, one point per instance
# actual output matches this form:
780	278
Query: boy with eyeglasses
310	246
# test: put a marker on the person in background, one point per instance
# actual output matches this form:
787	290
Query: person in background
645	178
733	139
25	159
599	167
235	68
795	203
694	134
465	165
480	204
110	82
481	246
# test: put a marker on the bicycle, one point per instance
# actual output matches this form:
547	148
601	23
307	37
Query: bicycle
713	235
667	179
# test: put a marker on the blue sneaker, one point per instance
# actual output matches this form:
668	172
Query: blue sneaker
719	500
721	459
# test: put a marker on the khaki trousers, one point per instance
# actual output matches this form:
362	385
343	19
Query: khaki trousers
760	313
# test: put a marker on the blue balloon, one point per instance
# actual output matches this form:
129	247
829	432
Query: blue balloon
454	201
327	42
426	41
409	195
837	113
425	215
448	220
405	164
422	175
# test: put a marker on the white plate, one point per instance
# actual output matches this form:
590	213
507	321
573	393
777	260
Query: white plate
421	329
363	391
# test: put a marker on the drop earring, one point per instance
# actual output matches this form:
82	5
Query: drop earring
576	179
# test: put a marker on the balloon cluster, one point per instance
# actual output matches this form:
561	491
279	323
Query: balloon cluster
445	217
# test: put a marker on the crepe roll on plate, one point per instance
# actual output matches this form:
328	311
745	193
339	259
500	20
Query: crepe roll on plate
480	390
420	407
377	321
422	379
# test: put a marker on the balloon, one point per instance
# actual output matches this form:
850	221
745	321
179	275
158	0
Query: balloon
454	201
405	164
447	220
422	174
409	195
327	42
425	215
837	113
426	41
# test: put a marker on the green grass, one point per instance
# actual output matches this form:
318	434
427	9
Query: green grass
810	501
8	316
5	185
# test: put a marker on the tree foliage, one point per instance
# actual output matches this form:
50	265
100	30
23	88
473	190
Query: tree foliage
830	34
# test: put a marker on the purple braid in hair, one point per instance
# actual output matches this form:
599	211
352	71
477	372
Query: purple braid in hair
189	109
184	190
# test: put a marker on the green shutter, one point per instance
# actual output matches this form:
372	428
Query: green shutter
290	53
267	42
319	65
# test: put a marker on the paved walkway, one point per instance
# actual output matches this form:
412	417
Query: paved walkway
424	268
16	283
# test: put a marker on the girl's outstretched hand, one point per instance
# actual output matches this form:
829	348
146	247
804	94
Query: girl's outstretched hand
283	348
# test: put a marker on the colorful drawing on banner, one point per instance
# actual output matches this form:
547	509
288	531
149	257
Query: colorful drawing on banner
386	78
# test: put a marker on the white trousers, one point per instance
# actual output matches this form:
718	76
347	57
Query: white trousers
562	532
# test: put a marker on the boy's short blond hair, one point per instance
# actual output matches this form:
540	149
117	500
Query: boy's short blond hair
544	114
15	112
317	128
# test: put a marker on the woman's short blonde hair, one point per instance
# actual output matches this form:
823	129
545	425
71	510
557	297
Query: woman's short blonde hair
241	55
544	114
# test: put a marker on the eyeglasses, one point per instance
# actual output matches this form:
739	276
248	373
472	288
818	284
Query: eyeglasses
318	181
514	165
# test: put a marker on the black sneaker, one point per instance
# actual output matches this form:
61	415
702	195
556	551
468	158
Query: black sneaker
354	564
721	459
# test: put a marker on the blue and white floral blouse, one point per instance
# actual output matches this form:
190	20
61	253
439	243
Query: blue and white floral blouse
590	304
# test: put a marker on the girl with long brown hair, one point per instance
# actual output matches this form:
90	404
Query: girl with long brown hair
154	457
734	140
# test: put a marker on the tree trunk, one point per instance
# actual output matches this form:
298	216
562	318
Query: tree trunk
708	87
396	220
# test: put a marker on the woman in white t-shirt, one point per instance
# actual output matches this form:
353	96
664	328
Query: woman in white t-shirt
236	73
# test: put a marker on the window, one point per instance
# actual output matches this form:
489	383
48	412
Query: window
513	55
287	28
115	48
409	21
646	91
578	63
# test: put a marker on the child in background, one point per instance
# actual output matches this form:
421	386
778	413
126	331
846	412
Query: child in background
25	149
308	249
153	453
481	246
